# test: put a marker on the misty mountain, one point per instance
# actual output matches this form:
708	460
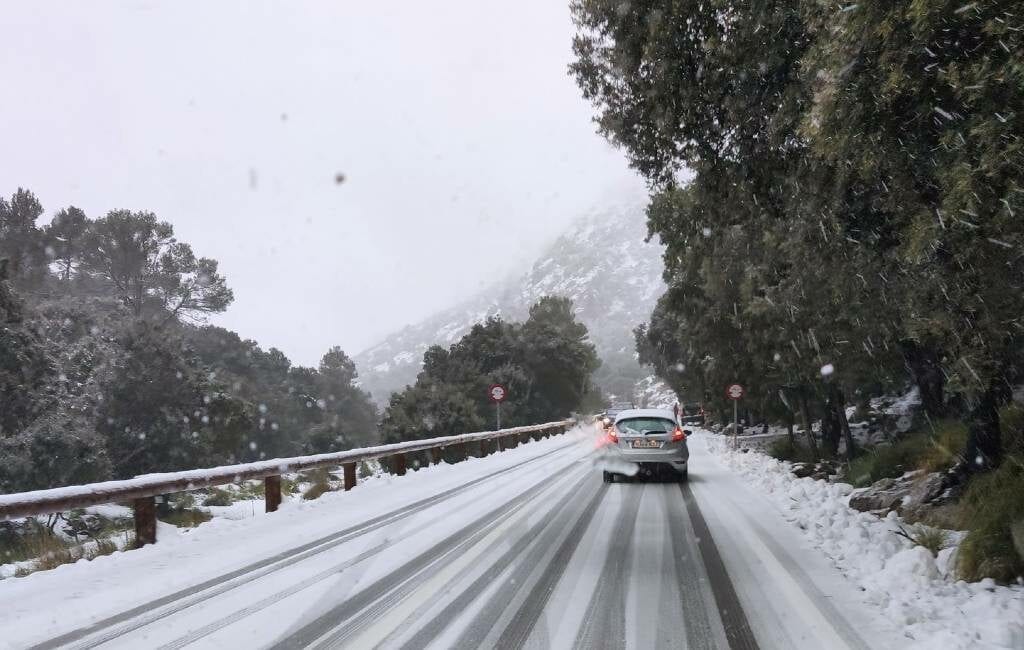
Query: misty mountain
602	263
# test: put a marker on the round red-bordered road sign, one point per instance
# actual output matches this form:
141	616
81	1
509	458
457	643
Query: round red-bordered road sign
497	393
734	391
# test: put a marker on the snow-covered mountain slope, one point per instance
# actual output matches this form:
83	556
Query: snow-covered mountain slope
602	263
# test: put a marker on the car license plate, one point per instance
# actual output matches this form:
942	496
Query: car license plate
646	444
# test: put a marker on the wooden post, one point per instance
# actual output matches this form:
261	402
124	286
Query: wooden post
398	464
483	448
464	448
501	443
145	521
435	455
349	470
272	493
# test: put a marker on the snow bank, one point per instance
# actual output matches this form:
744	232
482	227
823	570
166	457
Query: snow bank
911	588
87	591
55	499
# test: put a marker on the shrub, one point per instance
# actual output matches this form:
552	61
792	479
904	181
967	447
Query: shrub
784	449
366	470
315	490
104	546
931	452
186	518
253	490
28	541
1011	422
885	461
933	539
288	486
181	501
990	509
946	446
315	475
218	497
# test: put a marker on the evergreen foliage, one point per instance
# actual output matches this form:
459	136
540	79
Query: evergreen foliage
546	363
106	373
854	204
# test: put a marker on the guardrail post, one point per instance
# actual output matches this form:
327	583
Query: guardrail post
145	520
350	475
271	493
435	455
483	448
398	464
464	448
501	443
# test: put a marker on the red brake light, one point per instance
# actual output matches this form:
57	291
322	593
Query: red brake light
678	435
613	437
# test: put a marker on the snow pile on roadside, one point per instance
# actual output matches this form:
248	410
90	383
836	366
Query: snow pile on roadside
916	591
269	534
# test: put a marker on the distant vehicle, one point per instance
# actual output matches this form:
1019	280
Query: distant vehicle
608	417
692	413
651	438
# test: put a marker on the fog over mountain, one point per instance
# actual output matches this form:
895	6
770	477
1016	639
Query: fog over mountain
601	262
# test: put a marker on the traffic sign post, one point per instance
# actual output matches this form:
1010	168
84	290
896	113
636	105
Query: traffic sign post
735	392
497	393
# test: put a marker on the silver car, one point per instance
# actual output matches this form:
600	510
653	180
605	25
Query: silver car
645	442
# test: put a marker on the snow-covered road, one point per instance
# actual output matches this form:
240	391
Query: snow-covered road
526	548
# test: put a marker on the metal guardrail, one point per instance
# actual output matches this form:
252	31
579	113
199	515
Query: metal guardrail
142	490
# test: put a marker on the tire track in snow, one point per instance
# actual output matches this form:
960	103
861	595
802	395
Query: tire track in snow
442	618
464	565
528	585
525	618
703	629
737	628
321	631
604	625
160	608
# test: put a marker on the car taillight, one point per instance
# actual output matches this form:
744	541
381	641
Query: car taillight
678	435
613	437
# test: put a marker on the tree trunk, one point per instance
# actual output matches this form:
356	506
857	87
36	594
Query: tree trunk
924	366
830	429
984	438
839	400
812	444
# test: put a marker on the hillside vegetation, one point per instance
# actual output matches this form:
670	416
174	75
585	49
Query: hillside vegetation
545	363
853	223
107	372
602	263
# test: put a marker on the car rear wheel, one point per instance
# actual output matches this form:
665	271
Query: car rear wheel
608	477
684	475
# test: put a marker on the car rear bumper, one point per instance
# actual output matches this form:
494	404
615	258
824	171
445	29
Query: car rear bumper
677	458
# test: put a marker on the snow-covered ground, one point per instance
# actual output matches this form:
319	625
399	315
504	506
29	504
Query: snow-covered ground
522	548
41	605
913	590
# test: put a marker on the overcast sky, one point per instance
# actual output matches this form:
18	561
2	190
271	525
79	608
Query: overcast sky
464	144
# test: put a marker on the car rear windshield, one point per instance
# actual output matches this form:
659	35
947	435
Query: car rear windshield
646	425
